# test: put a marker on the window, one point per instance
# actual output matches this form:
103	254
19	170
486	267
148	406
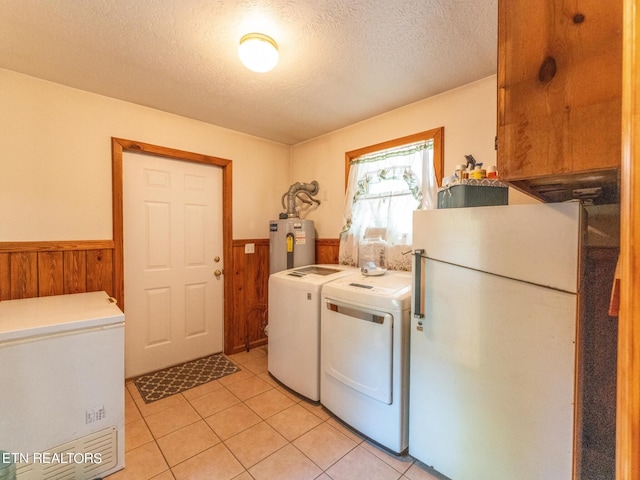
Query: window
385	184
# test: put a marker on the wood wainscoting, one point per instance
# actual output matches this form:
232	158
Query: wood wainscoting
250	287
250	290
327	250
39	269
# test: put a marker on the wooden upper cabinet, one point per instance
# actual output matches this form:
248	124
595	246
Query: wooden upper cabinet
559	97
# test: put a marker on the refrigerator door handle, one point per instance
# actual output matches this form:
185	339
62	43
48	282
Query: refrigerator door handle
417	283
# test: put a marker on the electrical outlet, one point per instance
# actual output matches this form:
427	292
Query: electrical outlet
249	248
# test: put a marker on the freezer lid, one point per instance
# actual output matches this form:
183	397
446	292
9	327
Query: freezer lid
34	317
537	243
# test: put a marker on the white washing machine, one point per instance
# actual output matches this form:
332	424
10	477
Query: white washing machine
294	325
364	373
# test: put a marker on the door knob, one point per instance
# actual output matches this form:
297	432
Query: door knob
217	273
216	259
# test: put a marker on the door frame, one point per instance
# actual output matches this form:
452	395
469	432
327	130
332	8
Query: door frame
628	401
118	147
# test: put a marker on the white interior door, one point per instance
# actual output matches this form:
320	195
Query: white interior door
172	247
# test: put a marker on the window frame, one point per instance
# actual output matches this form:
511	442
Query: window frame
435	134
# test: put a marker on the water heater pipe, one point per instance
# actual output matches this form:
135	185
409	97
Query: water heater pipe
297	189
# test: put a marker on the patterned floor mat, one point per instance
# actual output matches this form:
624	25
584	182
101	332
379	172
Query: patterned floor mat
161	384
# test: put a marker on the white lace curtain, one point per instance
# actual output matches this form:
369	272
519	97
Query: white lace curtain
384	189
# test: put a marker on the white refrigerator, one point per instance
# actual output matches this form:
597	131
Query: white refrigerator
493	335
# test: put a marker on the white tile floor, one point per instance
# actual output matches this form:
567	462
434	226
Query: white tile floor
246	426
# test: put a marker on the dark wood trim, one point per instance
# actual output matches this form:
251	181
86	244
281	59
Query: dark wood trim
437	134
628	404
243	241
55	246
327	242
119	146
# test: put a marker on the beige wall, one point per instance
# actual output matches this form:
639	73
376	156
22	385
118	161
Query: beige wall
55	162
468	115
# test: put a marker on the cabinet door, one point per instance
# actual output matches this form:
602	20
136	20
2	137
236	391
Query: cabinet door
559	87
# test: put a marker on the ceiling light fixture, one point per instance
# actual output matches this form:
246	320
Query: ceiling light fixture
258	52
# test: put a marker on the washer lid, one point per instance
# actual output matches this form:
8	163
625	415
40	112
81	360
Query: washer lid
315	270
384	291
311	275
34	317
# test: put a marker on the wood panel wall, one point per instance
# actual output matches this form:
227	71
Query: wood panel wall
39	269
250	280
250	287
327	250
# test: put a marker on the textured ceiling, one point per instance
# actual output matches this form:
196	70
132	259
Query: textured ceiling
340	61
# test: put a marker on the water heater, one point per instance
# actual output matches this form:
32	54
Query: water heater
292	243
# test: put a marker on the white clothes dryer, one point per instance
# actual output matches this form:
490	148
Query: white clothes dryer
364	373
294	325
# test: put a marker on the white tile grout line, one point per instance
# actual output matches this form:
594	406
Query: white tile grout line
297	401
